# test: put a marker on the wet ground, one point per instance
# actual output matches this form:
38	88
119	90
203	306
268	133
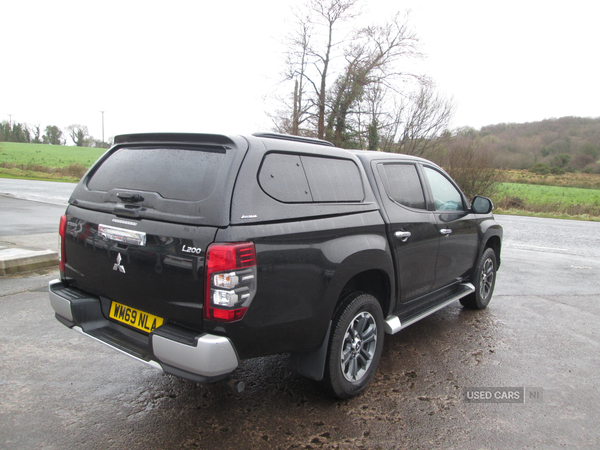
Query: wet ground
59	389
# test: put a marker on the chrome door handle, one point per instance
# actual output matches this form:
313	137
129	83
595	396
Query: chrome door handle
403	235
122	235
446	231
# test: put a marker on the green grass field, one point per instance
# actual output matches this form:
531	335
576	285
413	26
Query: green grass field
47	155
550	194
569	201
46	162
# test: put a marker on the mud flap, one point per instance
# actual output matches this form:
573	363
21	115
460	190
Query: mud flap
311	364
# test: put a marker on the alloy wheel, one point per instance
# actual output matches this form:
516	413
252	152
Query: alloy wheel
359	346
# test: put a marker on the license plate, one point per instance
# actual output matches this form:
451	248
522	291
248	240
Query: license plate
134	317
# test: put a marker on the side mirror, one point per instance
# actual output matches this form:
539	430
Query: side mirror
482	205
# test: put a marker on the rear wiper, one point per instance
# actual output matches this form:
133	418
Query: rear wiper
129	197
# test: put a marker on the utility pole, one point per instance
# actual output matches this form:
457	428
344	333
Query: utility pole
102	126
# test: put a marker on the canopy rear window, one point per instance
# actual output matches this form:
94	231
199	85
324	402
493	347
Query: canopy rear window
173	173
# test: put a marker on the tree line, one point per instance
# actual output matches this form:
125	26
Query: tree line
52	135
557	145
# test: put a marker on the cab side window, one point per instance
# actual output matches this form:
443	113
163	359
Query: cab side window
445	196
402	184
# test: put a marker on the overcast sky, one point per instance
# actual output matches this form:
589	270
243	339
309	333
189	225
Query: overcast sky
213	66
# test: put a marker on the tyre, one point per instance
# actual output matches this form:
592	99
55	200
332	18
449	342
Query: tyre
484	281
355	345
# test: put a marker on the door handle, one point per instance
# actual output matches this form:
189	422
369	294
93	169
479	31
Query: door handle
446	231
403	235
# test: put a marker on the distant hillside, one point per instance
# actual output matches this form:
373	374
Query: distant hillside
570	143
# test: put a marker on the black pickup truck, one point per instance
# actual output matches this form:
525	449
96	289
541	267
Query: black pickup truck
193	252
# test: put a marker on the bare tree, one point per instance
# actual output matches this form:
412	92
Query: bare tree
297	60
470	162
329	13
36	132
371	63
418	124
371	102
79	134
311	48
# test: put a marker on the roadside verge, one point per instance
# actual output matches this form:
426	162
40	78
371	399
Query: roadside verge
27	253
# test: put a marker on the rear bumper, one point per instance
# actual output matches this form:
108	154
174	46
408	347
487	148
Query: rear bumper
200	357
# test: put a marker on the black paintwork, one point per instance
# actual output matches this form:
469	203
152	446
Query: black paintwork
308	253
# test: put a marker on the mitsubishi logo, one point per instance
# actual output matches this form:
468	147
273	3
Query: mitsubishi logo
118	266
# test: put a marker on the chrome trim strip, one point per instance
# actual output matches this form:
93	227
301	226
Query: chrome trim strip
393	324
152	364
212	356
122	235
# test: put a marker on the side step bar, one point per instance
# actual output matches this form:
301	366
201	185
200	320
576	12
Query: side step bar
393	324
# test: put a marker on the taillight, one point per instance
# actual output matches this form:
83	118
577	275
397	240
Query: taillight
62	233
230	280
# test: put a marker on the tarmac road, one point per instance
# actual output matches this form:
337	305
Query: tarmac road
29	216
59	389
22	217
39	191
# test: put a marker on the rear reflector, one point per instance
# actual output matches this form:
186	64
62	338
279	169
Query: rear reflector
62	233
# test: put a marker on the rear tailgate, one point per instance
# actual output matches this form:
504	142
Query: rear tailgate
140	221
161	274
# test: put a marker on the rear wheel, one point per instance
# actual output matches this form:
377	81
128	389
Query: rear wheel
355	345
484	281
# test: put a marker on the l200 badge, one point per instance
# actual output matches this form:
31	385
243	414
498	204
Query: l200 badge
195	250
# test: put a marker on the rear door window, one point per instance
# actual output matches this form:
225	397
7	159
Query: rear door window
403	185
